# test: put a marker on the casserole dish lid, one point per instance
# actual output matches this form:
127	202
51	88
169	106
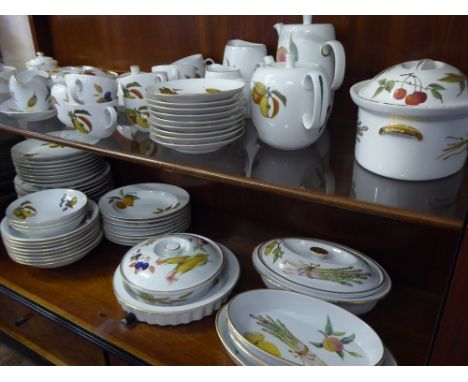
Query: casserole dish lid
172	263
318	265
418	84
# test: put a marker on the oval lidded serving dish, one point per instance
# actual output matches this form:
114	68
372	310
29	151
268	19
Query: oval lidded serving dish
322	269
413	121
171	269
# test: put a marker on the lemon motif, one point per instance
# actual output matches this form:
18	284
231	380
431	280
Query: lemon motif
258	339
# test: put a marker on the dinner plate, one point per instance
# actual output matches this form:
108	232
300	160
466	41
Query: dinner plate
199	140
143	201
235	111
155	107
233	118
201	134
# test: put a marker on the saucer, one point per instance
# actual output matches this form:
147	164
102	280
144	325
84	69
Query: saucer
11	109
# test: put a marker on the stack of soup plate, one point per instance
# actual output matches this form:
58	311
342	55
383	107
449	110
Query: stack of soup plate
137	212
322	269
196	116
51	228
175	278
283	328
42	165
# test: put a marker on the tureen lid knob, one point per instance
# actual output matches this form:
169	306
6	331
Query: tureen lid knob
307	20
172	246
39	54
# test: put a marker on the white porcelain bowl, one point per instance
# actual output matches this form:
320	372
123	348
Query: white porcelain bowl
171	269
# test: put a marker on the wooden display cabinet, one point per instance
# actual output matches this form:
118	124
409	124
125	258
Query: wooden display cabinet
421	320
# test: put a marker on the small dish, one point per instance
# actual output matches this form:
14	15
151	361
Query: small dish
198	105
11	109
194	110
299	330
207	117
195	90
198	140
172	268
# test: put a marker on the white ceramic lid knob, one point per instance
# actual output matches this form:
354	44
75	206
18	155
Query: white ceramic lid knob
134	69
39	54
307	20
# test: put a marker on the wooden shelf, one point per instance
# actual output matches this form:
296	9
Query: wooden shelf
82	295
331	158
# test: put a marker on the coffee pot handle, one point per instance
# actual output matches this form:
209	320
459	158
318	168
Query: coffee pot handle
160	77
208	61
340	61
318	84
112	114
75	88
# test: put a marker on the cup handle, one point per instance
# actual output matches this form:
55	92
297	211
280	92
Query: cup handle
160	77
75	88
340	61
319	85
112	117
209	61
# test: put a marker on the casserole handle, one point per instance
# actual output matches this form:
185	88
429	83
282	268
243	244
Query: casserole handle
318	84
402	129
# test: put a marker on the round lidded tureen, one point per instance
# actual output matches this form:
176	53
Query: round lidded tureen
322	269
41	62
412	121
421	83
171	269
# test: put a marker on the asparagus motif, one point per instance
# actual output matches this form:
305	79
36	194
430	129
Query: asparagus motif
278	330
344	275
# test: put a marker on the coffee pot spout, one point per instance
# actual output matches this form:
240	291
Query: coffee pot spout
278	27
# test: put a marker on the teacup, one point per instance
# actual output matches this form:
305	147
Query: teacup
137	113
60	94
221	71
176	71
94	120
197	61
30	90
133	84
5	73
89	89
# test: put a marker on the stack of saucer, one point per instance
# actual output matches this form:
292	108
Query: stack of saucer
137	212
43	165
196	116
7	170
51	228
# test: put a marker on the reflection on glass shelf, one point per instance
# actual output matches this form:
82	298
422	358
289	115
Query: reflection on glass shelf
328	166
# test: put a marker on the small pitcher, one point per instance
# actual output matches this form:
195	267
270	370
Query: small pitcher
30	90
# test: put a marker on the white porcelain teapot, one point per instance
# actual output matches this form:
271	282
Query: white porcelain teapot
289	102
313	43
30	90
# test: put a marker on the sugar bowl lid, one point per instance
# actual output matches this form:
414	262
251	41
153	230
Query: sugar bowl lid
172	263
422	83
320	265
41	60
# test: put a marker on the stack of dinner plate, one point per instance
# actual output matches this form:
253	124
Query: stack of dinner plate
196	116
7	170
137	212
43	165
283	328
51	228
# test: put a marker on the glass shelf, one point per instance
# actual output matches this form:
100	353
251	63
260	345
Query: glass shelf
325	172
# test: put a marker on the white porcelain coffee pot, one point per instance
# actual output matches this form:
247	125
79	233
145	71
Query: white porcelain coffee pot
289	102
315	43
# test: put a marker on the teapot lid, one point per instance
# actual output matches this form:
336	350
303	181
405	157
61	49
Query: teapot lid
173	262
421	83
40	59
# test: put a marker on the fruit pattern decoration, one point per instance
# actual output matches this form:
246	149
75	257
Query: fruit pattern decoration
411	90
124	200
267	100
80	121
25	210
67	203
139	116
